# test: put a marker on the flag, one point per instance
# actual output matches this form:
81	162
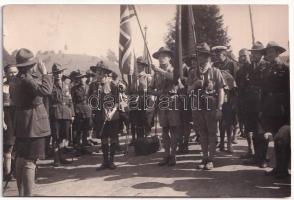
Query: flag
185	37
145	53
126	50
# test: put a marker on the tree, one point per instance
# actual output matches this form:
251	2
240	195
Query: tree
209	27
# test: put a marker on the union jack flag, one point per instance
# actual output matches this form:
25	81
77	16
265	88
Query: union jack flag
126	50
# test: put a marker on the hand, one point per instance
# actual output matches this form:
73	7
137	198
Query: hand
268	136
4	126
218	115
41	67
72	118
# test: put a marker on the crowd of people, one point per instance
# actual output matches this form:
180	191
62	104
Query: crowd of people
51	112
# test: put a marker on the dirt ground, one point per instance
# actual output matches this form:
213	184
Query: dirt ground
138	176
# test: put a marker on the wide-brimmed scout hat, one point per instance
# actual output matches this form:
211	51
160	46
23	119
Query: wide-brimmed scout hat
57	68
162	50
257	46
219	48
24	58
273	44
90	73
141	61
202	48
74	75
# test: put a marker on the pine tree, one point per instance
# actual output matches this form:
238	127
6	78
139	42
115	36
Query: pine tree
209	27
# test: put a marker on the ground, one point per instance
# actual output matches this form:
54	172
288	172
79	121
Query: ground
140	176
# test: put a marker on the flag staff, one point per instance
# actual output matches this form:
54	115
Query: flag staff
251	24
145	42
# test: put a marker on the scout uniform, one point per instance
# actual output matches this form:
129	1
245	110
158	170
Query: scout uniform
275	109
186	114
144	116
8	113
61	114
208	81
31	122
107	118
168	114
83	114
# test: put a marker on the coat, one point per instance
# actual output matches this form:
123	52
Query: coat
79	97
31	118
61	106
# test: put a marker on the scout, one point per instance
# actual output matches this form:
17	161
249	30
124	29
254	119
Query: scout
208	80
61	114
8	113
83	114
31	122
169	115
275	109
107	117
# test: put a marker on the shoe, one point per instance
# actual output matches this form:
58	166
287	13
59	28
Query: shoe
102	166
56	163
112	166
272	172
230	150
164	161
202	164
221	148
246	156
172	161
209	165
263	164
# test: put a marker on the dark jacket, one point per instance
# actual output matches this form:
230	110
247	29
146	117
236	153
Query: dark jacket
80	101
61	106
31	118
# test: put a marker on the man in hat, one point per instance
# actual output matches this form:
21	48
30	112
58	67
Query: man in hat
222	61
169	115
31	122
275	109
206	87
249	80
106	115
61	114
144	115
83	114
8	113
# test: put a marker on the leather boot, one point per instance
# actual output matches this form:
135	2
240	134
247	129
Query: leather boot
111	164
105	162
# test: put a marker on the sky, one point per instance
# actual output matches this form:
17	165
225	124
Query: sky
93	29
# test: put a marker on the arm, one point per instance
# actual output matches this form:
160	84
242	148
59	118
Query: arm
41	89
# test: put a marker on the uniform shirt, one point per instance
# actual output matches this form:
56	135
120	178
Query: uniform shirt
276	89
164	83
80	101
227	65
213	81
61	106
26	92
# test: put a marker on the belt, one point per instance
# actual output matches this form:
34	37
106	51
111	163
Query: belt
55	105
29	107
275	94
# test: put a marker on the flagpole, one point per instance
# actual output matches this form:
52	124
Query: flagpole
142	34
251	24
194	35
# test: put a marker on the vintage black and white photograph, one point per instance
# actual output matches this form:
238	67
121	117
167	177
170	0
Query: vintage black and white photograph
146	100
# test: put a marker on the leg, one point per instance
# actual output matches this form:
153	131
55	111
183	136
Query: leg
174	131
166	144
105	152
19	175
229	130
29	170
222	131
7	161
